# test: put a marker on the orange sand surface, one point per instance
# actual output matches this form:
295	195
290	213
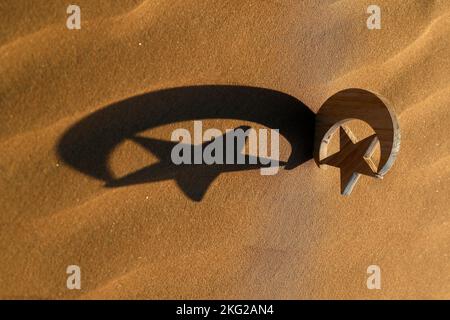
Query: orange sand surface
291	235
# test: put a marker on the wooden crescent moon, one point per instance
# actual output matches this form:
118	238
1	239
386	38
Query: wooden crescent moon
351	104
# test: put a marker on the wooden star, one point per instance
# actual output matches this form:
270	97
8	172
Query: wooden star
353	159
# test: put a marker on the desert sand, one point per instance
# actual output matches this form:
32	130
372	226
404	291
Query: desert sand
291	235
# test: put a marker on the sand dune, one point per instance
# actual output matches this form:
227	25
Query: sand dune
291	235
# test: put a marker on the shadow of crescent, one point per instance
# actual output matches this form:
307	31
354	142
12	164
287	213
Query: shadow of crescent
87	144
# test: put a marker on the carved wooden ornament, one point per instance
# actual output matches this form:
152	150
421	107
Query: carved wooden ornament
354	157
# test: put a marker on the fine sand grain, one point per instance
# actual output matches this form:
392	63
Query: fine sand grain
291	235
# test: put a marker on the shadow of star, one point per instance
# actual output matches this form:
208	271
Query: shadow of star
193	179
353	159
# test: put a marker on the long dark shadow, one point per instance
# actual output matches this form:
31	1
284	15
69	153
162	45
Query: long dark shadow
87	145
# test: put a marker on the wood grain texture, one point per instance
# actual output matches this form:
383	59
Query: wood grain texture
287	236
354	157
